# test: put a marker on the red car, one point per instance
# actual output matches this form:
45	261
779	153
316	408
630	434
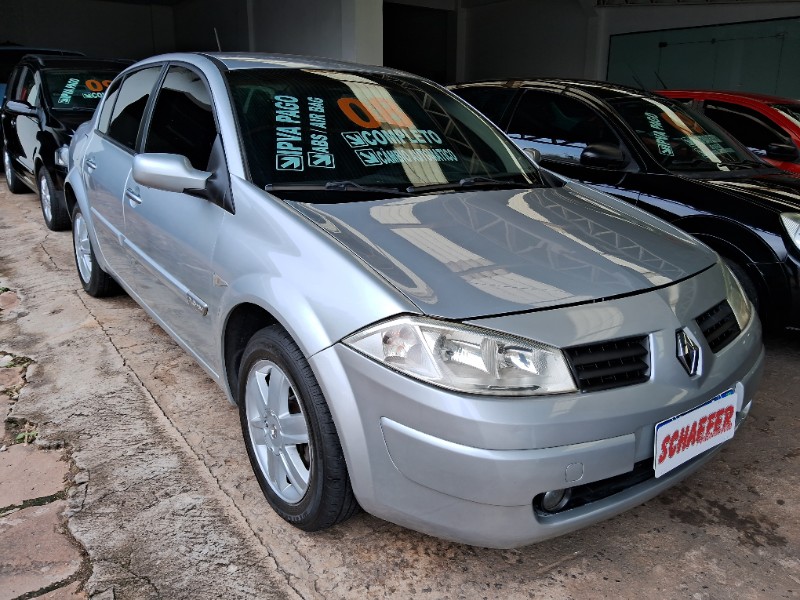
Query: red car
768	125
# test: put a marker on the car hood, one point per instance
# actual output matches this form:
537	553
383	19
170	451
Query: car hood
477	254
775	191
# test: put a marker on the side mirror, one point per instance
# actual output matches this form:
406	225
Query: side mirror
533	154
168	172
786	152
606	156
20	108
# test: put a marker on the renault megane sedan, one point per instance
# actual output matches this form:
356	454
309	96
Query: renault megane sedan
409	317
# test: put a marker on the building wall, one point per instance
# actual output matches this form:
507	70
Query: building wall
524	38
89	26
197	20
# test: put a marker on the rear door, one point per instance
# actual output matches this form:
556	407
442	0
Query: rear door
108	159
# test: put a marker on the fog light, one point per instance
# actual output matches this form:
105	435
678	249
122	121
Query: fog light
555	500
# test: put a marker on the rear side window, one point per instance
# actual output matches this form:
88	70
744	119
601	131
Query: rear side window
558	126
183	121
131	101
751	128
491	101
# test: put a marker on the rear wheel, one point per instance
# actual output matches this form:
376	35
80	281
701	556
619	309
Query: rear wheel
95	281
15	185
54	211
290	435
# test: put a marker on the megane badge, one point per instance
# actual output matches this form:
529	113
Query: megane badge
688	352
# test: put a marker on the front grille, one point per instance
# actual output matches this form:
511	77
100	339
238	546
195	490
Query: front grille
611	364
719	326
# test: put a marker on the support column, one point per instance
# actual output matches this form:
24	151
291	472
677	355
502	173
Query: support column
362	31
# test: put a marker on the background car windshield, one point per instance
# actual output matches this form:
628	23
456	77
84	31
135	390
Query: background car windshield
678	139
790	111
316	126
71	89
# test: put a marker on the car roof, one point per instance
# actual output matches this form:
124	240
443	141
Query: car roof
601	89
48	61
234	61
765	98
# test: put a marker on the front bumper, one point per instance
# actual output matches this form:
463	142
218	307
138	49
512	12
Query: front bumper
467	468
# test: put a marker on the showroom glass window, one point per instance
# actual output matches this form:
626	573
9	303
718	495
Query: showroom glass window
558	126
183	121
748	126
131	101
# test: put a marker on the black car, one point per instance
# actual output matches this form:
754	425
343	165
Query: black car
47	97
11	54
659	155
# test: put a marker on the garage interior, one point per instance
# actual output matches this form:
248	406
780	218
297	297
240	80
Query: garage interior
729	44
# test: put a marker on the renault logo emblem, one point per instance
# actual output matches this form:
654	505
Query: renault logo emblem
688	352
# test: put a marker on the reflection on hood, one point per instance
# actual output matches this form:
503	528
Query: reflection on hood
464	255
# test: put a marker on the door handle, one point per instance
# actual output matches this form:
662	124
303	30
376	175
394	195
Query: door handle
132	196
90	165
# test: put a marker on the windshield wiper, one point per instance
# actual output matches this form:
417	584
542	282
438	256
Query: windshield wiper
467	182
332	186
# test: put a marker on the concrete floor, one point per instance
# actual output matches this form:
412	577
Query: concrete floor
165	504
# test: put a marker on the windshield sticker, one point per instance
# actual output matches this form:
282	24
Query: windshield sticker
710	141
95	89
291	154
320	155
375	158
371	112
68	91
659	135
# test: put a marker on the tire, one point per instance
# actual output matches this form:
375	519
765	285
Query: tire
290	436
14	183
54	210
95	281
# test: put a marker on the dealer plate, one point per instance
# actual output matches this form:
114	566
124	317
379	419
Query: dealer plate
684	436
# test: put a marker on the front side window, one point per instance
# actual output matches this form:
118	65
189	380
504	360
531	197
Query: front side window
183	122
746	125
491	101
679	139
315	126
76	89
130	104
557	126
28	88
790	111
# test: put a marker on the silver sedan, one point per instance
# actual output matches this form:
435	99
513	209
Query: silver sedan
410	316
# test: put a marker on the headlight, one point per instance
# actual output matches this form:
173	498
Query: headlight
791	223
466	359
62	156
737	298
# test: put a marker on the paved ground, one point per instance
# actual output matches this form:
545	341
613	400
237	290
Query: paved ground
160	496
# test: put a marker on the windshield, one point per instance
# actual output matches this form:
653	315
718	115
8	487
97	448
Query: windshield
679	139
316	127
71	89
790	111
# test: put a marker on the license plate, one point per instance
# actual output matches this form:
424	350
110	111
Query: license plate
684	436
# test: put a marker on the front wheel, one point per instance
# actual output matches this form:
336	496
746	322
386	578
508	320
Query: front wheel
54	211
290	435
95	281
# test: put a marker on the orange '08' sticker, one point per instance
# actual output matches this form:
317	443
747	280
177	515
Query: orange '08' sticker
364	116
97	86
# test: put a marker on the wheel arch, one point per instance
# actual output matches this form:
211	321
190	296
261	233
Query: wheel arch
243	321
747	248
